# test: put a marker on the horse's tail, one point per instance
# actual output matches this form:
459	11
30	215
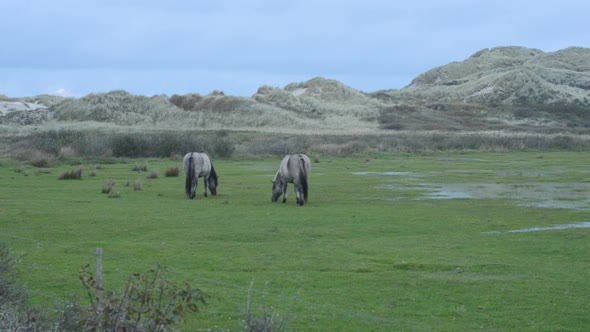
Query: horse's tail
190	175
303	177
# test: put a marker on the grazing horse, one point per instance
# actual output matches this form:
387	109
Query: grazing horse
295	168
198	165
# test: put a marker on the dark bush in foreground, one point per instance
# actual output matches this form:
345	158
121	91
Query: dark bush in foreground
149	303
10	292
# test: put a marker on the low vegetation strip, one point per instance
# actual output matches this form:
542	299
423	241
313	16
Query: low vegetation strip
45	145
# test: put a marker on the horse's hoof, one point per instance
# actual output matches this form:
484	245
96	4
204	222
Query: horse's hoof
284	200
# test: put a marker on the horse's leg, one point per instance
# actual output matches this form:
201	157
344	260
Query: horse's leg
193	189
298	194
285	192
205	181
196	186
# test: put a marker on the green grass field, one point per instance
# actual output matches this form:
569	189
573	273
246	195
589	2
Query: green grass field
386	242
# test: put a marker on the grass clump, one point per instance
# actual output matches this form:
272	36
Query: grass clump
74	174
269	319
137	186
172	172
153	174
40	163
108	186
140	168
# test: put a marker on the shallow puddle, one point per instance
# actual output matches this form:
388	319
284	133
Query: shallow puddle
585	224
535	194
383	173
560	195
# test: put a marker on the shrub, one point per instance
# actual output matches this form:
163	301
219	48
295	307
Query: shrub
108	186
128	145
140	168
40	163
137	186
149	303
10	292
75	174
172	172
153	175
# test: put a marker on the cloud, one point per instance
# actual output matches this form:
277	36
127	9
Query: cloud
152	47
63	92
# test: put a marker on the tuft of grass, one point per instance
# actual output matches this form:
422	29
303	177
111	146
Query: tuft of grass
140	168
172	172
137	186
108	186
269	319
74	174
153	174
40	163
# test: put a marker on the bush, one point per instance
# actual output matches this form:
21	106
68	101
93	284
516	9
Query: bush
40	163
172	172
10	292
140	168
153	175
108	186
137	186
128	145
149	303
71	174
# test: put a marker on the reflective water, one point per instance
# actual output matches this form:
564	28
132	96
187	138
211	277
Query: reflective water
561	195
585	224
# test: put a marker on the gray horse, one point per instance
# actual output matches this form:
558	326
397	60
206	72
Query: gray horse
198	165
295	168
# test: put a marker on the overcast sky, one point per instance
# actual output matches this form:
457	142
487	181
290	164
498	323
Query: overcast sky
78	47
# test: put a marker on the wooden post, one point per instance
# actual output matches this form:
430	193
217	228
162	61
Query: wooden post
99	254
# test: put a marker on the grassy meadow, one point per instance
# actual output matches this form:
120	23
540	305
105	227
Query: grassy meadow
399	241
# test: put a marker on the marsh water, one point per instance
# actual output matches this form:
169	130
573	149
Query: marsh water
550	187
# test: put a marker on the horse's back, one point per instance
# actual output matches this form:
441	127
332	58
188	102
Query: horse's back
306	164
291	166
201	163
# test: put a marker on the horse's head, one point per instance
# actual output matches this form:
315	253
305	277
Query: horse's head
213	183
277	191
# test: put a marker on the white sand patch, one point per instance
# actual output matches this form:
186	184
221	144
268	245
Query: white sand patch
298	92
